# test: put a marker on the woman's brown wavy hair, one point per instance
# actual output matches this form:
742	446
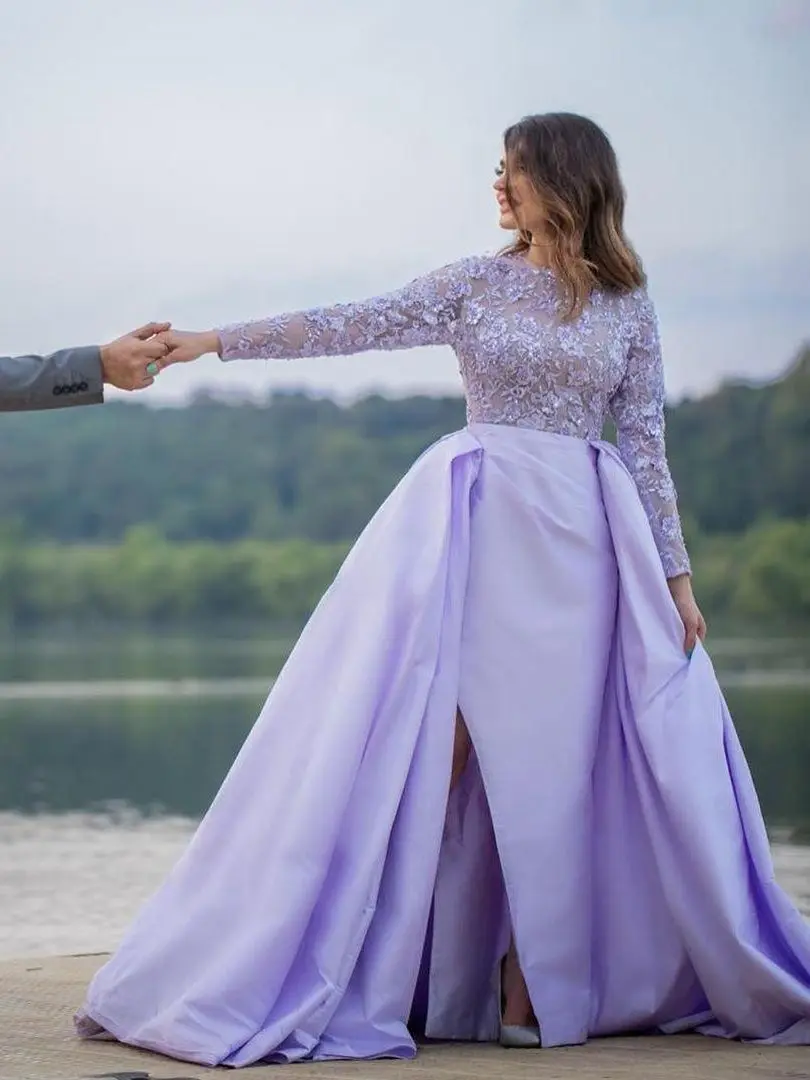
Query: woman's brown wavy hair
573	168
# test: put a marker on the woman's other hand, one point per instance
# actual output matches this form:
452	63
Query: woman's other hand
694	624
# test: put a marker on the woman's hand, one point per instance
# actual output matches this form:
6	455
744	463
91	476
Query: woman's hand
185	346
694	624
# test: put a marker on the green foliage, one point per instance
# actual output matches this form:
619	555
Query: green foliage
132	514
147	579
741	454
296	467
760	578
305	467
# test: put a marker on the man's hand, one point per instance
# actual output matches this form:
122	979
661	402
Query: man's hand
184	346
124	362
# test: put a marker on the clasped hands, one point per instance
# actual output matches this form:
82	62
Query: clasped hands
132	362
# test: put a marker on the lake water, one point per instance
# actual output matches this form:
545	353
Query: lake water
111	749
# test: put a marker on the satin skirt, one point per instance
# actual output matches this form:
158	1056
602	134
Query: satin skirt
333	896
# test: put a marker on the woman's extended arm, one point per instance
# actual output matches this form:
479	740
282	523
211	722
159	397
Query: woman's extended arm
424	312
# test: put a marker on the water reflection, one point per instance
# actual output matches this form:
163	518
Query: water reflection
774	728
154	740
149	739
161	756
169	754
55	657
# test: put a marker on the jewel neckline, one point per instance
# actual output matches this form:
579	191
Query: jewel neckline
531	266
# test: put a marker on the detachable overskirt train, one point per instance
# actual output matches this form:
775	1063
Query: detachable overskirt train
332	891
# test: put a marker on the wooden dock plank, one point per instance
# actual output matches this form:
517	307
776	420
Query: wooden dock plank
38	999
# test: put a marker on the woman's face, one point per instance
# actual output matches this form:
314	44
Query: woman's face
523	208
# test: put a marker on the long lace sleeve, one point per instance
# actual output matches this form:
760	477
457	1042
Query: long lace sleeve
637	408
424	312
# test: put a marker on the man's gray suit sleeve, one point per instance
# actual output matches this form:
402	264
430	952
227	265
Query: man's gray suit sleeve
67	377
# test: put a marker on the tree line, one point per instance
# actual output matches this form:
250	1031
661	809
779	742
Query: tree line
303	467
247	509
760	577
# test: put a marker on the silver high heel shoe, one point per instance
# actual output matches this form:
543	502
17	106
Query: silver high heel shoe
518	1037
515	1036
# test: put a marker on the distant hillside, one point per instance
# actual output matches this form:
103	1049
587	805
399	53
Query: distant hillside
743	453
308	468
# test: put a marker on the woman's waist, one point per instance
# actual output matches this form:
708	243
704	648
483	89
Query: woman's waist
570	415
493	434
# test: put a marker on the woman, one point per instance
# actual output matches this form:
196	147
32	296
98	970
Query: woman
512	625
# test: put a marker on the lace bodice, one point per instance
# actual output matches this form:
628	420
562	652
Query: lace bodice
519	364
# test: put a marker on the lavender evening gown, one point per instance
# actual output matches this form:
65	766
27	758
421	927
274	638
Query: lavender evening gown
518	570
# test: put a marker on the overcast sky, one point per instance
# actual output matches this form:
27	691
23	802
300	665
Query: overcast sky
212	160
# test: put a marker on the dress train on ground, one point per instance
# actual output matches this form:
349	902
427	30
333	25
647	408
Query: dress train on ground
332	891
